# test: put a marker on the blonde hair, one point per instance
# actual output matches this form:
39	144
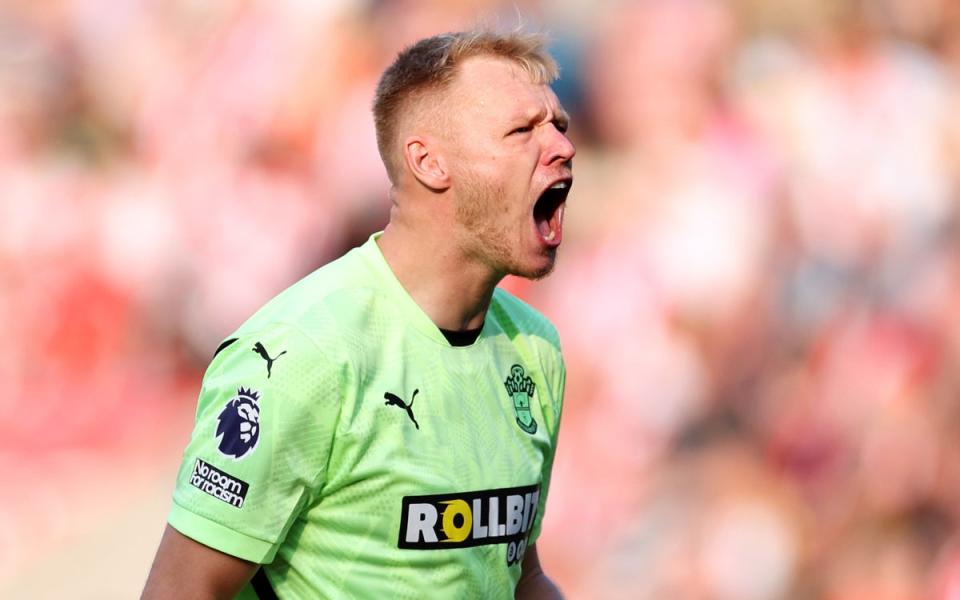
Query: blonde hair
431	64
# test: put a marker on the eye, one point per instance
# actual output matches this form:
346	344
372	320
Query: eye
523	129
561	126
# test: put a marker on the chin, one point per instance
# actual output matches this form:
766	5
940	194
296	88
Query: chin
537	269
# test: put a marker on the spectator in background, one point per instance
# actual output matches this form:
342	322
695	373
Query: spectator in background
770	235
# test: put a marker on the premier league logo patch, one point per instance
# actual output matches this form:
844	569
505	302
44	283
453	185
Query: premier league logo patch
238	425
520	387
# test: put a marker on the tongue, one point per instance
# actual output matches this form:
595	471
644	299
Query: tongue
549	228
548	216
543	225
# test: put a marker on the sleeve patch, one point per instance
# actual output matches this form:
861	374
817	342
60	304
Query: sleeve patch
222	486
238	425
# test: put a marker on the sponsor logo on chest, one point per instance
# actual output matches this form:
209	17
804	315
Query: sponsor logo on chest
460	520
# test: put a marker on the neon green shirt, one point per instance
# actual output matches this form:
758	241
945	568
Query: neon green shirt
341	441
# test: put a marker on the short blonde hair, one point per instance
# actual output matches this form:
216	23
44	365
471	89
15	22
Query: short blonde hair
431	64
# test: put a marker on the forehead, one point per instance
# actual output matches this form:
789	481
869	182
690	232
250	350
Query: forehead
499	88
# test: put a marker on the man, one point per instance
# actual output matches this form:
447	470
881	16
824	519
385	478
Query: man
386	427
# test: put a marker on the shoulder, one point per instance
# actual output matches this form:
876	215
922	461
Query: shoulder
536	340
516	317
531	333
324	306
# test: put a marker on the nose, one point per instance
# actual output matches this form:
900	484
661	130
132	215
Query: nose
558	148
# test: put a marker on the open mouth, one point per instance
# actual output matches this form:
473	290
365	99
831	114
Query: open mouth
548	212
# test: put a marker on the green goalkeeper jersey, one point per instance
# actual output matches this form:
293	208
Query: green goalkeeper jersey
343	443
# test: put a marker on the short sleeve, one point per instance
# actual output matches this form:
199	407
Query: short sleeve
264	426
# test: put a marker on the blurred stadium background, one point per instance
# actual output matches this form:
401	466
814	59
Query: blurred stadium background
758	293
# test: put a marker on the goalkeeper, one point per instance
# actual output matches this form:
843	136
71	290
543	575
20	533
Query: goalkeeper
386	427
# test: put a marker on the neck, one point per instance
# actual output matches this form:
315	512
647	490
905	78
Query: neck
453	290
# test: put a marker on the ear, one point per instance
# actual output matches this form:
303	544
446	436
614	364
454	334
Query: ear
421	155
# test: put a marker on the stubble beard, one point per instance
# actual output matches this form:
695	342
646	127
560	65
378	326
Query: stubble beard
480	214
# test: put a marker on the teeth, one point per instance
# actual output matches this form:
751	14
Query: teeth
549	237
560	185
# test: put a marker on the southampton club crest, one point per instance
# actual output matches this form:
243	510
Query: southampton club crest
238	425
520	387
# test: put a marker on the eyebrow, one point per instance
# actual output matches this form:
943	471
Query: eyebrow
538	115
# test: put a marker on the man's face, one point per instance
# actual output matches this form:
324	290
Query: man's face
510	166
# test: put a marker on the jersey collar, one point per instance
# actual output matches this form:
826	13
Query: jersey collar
418	319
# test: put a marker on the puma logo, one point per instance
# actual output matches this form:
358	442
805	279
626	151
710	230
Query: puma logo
396	401
259	349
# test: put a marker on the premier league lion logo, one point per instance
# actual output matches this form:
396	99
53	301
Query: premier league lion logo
238	425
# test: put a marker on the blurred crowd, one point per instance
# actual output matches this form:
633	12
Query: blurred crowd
757	294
